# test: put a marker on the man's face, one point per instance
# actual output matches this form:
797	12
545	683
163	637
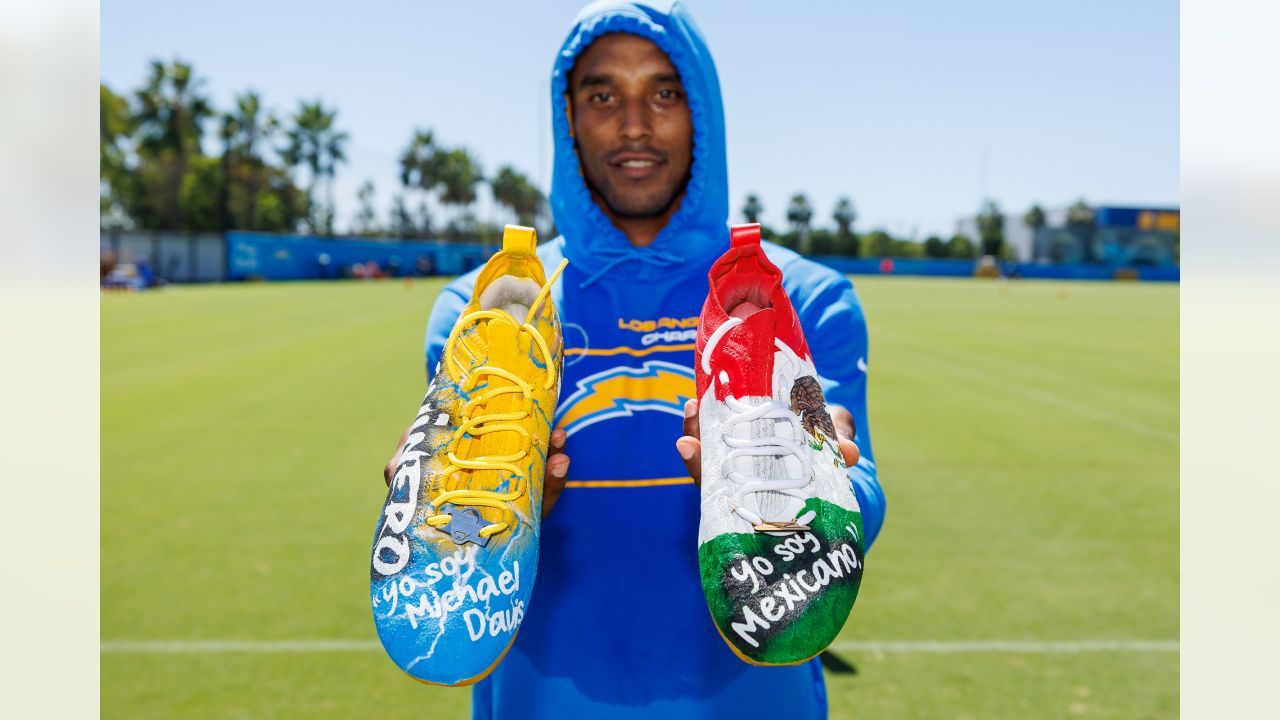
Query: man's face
632	126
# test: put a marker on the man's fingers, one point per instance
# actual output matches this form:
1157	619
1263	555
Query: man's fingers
689	446
845	431
843	420
558	469
690	449
850	451
557	473
393	464
691	419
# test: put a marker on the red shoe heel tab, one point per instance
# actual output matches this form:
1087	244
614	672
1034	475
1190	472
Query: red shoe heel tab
745	235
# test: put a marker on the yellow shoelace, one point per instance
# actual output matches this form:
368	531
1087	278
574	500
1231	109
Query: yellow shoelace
492	422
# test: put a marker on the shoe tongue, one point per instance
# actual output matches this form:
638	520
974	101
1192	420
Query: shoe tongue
496	344
770	505
745	353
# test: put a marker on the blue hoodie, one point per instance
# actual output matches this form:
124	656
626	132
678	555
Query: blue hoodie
618	626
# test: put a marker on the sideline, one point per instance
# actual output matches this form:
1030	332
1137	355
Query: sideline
161	647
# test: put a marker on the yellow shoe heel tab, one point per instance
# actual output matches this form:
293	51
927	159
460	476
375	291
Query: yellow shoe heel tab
518	238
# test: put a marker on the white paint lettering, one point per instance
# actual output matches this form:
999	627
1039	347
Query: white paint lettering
432	572
424	608
398	547
786	592
505	581
762	564
743	572
822	572
800	579
475	623
487	589
771	610
753	623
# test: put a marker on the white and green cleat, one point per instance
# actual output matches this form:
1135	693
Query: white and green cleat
780	541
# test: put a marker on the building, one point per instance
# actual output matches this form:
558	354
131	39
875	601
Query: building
1119	236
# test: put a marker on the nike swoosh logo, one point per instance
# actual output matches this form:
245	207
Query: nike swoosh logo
862	364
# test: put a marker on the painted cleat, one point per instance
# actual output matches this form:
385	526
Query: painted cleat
780	540
456	548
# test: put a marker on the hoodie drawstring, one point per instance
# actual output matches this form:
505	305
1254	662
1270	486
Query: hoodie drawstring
616	256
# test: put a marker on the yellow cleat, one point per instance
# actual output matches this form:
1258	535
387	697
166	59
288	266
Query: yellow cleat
456	550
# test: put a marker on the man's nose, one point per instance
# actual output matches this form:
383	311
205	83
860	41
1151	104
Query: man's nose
636	123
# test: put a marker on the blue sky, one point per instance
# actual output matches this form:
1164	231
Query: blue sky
895	104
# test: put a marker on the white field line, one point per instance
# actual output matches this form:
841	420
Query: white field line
1005	646
1091	411
162	647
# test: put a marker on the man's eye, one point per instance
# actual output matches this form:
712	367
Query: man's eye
669	94
601	97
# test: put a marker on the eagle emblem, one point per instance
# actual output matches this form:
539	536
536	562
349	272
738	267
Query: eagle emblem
808	402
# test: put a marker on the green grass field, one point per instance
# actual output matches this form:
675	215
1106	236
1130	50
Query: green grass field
1026	435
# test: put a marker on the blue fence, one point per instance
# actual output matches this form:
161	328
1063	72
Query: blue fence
967	268
268	256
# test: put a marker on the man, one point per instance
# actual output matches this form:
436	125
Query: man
618	626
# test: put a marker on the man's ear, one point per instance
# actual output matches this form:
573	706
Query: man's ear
568	113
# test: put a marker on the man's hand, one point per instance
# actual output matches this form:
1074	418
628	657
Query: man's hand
557	472
690	446
557	468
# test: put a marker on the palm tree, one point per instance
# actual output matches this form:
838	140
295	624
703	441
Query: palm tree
799	213
844	215
513	189
424	226
253	127
991	228
1080	214
171	111
459	175
115	125
366	220
753	208
1034	218
227	131
417	162
317	144
335	152
419	171
1082	224
401	224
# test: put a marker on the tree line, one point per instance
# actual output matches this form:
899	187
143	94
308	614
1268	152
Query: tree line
276	174
841	240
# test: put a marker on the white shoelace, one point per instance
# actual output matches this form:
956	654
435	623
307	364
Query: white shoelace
778	447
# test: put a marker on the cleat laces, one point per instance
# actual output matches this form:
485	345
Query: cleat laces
780	447
485	423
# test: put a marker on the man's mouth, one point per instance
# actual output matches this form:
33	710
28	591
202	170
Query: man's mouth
636	166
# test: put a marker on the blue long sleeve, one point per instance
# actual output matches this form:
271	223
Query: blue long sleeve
444	315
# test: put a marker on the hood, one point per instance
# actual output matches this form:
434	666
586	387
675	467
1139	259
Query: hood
698	232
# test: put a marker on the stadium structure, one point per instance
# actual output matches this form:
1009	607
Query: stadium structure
1117	236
